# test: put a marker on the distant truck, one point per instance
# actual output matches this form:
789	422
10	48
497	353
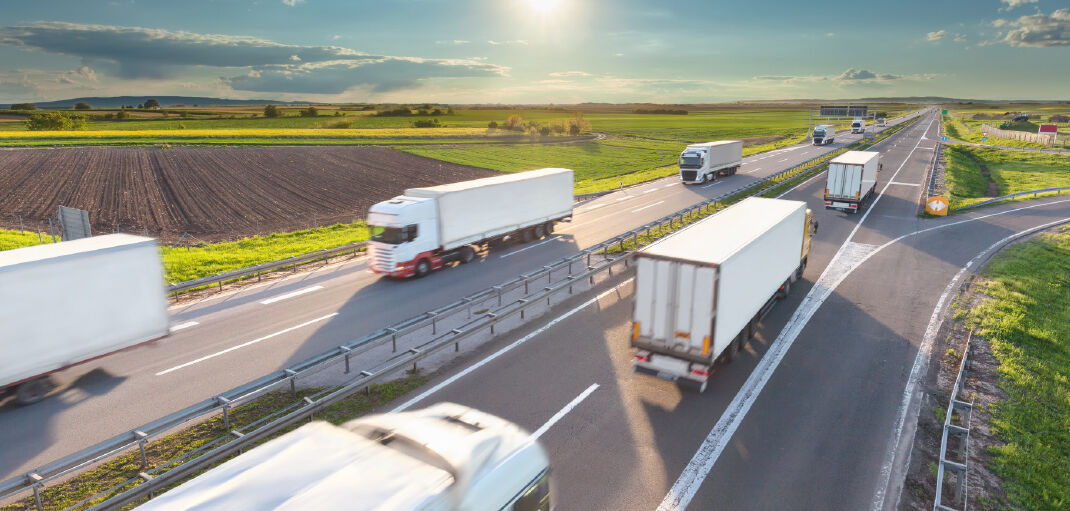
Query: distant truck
446	457
67	303
700	163
701	292
858	125
881	122
851	179
824	134
427	228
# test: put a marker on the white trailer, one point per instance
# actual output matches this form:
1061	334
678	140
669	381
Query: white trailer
851	179
446	457
427	228
700	293
68	303
700	163
824	134
858	125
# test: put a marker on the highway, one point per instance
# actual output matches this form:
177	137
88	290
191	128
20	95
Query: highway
237	336
815	414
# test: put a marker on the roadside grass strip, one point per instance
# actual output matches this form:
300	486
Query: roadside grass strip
16	239
122	473
1026	318
1008	172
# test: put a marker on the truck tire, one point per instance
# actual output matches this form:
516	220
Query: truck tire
731	350
548	227
423	267
32	391
539	230
467	254
527	235
784	292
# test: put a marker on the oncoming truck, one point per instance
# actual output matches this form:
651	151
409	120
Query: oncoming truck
427	228
858	125
824	134
68	303
851	179
700	163
446	457
700	293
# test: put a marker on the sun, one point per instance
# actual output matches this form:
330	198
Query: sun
544	6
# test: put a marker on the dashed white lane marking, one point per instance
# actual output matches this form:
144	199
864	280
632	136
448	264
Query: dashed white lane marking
564	411
250	343
647	206
652	190
529	247
292	294
670	185
508	348
623	198
903	184
183	325
715	183
596	206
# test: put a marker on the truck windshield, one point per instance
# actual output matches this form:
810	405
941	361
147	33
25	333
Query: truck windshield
855	125
819	133
392	235
688	160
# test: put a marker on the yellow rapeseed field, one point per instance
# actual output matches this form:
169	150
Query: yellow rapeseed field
256	133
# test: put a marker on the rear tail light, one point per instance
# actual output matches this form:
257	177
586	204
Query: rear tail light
642	358
828	203
854	206
700	372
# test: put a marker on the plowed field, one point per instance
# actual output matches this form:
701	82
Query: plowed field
210	193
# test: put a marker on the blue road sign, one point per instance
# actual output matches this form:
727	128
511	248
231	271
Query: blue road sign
943	139
984	139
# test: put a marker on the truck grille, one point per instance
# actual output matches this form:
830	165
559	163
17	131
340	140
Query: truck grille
688	175
382	258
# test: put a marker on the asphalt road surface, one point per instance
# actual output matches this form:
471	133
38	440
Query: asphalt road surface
235	337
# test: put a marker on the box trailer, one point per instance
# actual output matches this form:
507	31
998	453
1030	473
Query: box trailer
858	125
700	293
851	179
824	134
700	163
427	228
446	457
67	303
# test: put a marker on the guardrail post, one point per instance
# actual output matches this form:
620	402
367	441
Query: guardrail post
347	349
499	289
33	476
141	436
549	274
293	383
525	287
434	322
393	338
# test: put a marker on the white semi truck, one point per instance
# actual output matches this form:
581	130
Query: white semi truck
824	134
700	163
851	179
858	125
427	228
68	303
700	293
446	457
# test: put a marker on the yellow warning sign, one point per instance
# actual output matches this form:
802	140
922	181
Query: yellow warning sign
937	206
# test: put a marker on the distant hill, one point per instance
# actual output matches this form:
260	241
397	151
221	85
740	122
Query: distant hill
165	101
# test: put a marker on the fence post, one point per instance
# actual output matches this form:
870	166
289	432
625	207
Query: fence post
51	230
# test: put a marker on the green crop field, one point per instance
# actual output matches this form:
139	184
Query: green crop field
1008	172
16	239
965	123
1027	321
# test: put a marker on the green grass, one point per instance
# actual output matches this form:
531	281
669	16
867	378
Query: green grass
16	239
1012	171
122	468
1027	321
960	125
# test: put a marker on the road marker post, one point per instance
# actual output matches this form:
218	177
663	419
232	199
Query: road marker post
937	205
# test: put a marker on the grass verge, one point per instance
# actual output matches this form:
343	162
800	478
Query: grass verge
1027	321
1010	171
17	239
160	452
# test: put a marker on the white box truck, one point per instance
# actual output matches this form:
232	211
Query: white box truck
700	163
68	303
700	293
446	457
851	179
858	125
882	122
427	228
824	134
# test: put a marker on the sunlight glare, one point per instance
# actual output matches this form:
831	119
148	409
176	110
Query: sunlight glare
543	6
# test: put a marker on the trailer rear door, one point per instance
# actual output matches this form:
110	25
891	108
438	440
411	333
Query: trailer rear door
844	181
674	303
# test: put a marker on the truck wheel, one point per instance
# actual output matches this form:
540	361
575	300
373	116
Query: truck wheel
467	254
548	227
540	231
731	350
33	391
527	235
423	267
786	290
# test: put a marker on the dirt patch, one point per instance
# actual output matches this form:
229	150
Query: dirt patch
211	193
984	488
760	140
993	187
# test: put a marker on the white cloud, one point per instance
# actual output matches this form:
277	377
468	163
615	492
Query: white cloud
562	74
959	38
999	23
292	3
520	42
455	42
1040	30
935	36
1011	4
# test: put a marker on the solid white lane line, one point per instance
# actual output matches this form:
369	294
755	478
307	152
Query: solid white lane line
647	206
508	348
245	344
715	183
564	411
529	247
792	189
299	292
903	184
183	325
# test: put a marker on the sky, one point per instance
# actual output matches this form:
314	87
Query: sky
535	51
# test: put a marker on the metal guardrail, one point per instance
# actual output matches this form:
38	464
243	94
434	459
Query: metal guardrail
962	432
1034	193
589	263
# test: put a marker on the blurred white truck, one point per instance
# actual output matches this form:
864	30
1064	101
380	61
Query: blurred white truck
858	125
851	179
700	293
427	228
67	303
446	457
824	134
700	163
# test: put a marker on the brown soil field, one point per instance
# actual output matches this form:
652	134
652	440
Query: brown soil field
210	193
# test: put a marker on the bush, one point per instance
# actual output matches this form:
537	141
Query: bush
55	121
271	111
577	124
544	131
310	112
82	106
426	123
24	106
400	111
492	125
122	114
514	122
152	103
